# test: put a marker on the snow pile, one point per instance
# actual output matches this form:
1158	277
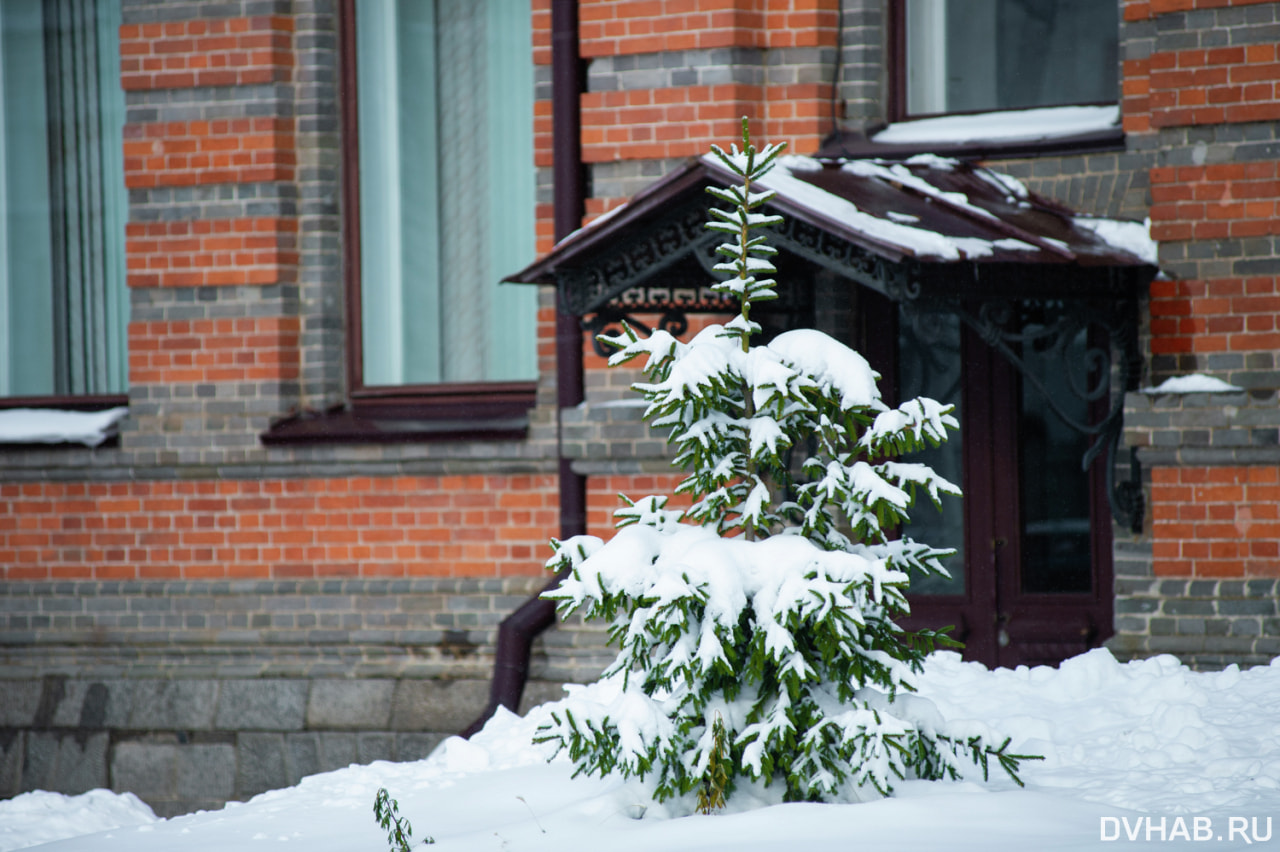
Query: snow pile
1151	735
41	817
1026	125
1146	740
1193	383
52	426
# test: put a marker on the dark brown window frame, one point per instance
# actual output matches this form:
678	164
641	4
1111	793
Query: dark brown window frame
896	111
393	413
66	402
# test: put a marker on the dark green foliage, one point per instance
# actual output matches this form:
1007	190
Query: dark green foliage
386	811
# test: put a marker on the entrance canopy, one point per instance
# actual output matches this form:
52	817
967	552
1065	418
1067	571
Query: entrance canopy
927	228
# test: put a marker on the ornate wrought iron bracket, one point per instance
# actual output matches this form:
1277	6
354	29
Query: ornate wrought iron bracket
1050	327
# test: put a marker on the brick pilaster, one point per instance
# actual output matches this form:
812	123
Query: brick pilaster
211	165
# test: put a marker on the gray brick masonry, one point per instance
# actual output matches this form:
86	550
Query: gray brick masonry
163	740
861	64
148	11
1208	624
315	103
1207	28
1201	428
244	631
1112	184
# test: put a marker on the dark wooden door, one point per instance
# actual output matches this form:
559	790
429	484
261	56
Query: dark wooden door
1031	580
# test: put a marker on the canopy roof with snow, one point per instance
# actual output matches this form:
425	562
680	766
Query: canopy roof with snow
928	227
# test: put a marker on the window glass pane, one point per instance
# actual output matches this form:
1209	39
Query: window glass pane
1056	555
446	190
63	300
980	55
929	366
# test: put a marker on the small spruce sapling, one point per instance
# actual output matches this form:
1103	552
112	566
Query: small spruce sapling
386	811
756	628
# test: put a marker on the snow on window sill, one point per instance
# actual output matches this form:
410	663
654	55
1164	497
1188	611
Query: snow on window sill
1049	124
57	426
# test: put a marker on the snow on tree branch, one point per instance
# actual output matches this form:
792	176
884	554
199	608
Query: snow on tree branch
761	619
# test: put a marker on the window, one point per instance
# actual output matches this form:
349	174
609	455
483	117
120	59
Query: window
63	302
987	55
444	95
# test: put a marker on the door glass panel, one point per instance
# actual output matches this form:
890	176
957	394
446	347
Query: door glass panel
1056	555
929	366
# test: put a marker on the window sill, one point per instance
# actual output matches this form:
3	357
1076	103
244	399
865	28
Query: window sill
993	135
481	412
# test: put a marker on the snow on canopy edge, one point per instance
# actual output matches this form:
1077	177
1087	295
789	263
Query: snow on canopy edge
896	232
57	426
904	238
578	233
1128	236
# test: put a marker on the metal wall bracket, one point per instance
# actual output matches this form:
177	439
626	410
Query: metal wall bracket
1049	327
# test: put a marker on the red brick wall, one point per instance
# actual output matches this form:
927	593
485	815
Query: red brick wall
542	144
1216	521
1215	202
206	52
685	121
1203	86
197	153
1222	315
1220	85
1141	9
645	124
449	526
614	28
224	251
182	352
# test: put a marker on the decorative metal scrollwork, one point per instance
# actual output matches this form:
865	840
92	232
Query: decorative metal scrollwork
589	287
1051	328
842	256
608	321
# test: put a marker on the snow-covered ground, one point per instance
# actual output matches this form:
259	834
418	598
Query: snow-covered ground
1142	753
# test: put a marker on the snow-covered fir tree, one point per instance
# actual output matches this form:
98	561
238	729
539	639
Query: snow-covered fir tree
757	628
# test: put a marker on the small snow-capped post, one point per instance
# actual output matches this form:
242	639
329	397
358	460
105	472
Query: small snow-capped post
756	629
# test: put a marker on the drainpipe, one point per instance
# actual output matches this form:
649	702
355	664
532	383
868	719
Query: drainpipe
518	630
